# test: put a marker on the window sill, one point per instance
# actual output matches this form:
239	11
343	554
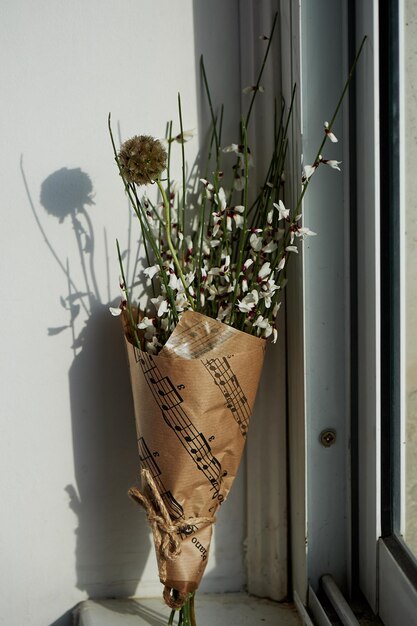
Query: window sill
221	609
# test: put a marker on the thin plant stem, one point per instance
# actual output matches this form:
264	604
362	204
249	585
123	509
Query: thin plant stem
258	82
192	611
332	121
171	245
182	167
128	303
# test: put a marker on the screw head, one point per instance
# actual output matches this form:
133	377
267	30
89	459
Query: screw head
327	437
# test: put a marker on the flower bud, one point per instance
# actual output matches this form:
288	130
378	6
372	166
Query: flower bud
142	159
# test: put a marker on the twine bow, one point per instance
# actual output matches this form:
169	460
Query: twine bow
166	532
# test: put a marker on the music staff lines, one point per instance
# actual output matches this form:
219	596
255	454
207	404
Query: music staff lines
236	401
147	460
170	402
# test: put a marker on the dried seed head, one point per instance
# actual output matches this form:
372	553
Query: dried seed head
142	159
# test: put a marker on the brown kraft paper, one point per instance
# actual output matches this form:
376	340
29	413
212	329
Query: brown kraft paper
192	406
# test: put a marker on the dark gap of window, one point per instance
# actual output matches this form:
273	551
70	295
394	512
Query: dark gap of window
353	234
390	205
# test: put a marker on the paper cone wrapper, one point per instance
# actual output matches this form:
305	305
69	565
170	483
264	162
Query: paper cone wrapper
192	405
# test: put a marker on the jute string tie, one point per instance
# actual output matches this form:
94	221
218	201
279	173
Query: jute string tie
166	532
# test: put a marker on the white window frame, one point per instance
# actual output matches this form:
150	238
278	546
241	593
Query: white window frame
385	577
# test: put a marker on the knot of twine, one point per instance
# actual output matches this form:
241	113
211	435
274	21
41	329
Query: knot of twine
166	532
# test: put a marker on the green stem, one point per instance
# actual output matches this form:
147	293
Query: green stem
261	71
333	118
192	611
126	290
170	244
183	168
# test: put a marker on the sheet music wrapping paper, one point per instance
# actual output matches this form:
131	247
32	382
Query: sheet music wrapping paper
192	405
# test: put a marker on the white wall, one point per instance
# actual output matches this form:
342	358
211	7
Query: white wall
68	444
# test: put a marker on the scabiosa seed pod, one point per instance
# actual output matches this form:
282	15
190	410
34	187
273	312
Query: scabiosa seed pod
142	159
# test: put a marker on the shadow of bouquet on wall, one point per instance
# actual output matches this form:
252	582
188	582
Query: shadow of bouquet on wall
112	542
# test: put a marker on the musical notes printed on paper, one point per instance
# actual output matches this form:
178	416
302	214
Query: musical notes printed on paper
147	460
195	443
236	401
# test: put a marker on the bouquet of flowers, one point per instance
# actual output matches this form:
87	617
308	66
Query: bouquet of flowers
216	267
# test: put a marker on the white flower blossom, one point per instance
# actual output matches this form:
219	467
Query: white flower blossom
161	305
255	241
239	150
308	171
151	271
265	270
209	188
224	313
248	302
183	137
263	324
276	308
146	323
239	182
329	133
332	163
247	264
281	264
304	232
116	310
283	213
270	247
221	199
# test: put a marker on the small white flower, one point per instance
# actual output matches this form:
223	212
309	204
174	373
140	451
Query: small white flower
304	232
189	243
239	220
115	310
247	264
146	323
329	133
224	314
239	150
232	148
308	171
270	247
255	242
265	270
151	271
276	309
332	163
281	264
283	213
291	249
274	335
161	305
248	302
152	346
209	188
239	182
186	135
263	324
173	281
221	199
